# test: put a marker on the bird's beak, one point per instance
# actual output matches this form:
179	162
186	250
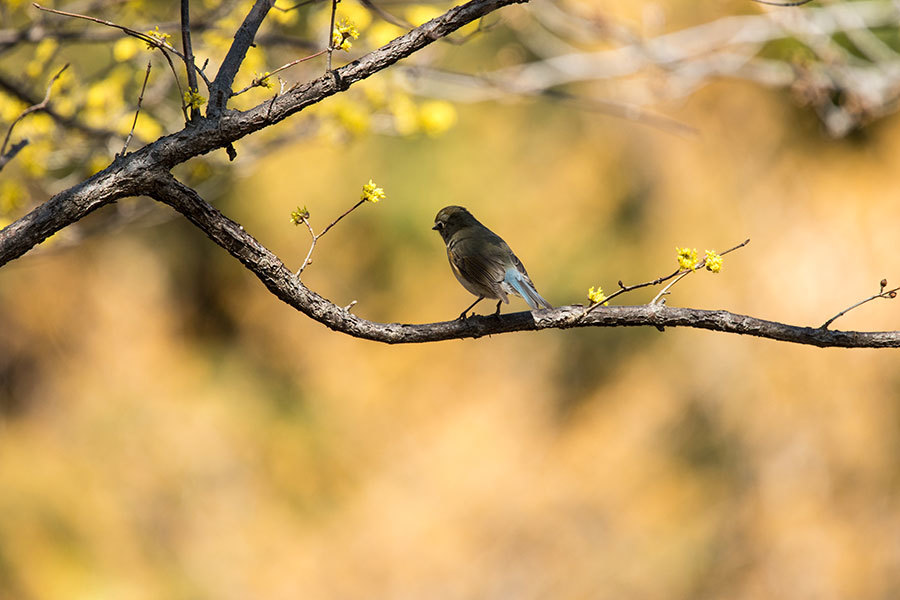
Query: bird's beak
435	227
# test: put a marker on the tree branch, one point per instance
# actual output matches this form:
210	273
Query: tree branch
205	135
220	90
287	287
188	49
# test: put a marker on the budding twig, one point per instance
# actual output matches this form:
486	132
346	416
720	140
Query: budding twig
679	273
315	238
258	81
162	45
137	112
330	49
890	294
33	108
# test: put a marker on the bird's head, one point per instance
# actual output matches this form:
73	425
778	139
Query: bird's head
451	219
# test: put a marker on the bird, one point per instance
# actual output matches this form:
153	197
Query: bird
483	263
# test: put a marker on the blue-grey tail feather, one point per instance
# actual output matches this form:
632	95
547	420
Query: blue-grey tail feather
525	289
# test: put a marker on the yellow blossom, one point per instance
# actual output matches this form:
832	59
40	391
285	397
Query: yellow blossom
687	257
596	296
298	215
157	36
262	79
194	99
713	261
343	35
372	193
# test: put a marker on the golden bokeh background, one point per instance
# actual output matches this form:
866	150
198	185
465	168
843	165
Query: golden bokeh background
171	430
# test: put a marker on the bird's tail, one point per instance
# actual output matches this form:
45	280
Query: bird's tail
525	288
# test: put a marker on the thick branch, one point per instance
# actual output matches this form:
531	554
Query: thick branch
287	287
220	90
113	183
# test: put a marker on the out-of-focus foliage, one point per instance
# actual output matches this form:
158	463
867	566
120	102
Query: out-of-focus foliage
169	429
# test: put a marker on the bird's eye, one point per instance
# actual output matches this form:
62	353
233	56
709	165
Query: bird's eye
439	225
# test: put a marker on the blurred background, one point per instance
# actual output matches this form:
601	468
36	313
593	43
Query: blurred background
169	429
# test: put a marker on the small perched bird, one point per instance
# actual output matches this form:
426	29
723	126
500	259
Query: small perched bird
482	262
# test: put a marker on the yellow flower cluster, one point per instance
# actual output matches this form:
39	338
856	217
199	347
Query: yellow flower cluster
343	35
193	99
158	36
298	215
687	258
262	79
372	193
713	261
596	296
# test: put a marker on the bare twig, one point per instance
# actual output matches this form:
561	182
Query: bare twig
785	4
315	238
330	49
665	290
890	294
162	45
11	154
259	80
42	105
190	67
137	112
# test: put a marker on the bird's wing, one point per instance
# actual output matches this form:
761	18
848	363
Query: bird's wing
483	268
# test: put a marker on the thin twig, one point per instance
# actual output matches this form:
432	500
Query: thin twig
258	80
315	238
882	294
137	112
330	49
33	108
296	6
700	265
665	290
312	246
627	288
189	65
163	46
141	36
11	154
785	4
280	91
